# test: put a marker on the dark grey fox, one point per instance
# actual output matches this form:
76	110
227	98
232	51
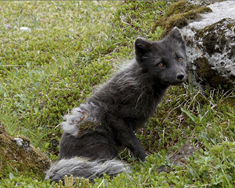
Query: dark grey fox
98	129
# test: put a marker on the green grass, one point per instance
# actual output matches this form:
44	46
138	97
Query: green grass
42	75
74	46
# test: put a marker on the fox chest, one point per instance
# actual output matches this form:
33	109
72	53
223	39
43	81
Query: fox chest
138	110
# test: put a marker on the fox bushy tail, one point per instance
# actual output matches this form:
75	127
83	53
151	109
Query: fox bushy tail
80	167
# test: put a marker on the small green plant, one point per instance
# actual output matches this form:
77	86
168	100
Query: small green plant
70	183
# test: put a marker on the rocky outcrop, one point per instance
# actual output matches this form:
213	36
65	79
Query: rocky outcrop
209	30
211	47
18	153
179	14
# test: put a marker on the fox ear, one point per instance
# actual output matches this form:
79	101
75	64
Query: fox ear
175	34
141	44
141	47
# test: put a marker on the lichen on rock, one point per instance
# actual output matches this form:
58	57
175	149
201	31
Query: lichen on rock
215	37
211	54
218	44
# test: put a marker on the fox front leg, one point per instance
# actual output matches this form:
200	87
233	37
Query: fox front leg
131	142
127	138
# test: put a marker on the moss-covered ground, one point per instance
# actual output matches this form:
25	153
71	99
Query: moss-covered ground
73	46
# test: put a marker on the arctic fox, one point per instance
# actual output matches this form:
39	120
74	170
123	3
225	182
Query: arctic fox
98	129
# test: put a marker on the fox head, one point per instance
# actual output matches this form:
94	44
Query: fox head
164	60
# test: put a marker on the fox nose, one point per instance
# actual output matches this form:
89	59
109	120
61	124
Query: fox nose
180	76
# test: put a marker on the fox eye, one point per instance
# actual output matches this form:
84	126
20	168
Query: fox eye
160	64
180	59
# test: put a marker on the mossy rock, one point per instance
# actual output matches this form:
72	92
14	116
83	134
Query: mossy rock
210	45
216	66
209	75
179	15
17	153
214	38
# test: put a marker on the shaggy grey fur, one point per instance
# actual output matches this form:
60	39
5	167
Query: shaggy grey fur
99	128
82	168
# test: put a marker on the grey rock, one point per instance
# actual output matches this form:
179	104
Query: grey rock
211	48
